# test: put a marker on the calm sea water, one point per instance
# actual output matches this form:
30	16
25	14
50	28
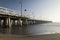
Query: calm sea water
40	29
35	29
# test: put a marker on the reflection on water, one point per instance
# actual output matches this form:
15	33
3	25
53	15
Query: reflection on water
13	30
35	29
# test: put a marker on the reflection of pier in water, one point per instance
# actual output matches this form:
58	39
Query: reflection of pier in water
10	20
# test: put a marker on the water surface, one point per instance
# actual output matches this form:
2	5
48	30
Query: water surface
35	29
39	29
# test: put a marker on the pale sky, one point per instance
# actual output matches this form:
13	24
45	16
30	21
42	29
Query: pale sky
40	9
46	9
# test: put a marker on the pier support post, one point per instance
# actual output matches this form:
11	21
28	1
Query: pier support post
19	21
25	22
7	23
0	22
13	22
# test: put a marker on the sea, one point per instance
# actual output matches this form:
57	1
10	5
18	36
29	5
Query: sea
34	29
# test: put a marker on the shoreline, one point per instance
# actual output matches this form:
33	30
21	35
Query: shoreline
27	37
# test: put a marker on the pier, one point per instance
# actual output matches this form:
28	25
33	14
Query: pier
8	18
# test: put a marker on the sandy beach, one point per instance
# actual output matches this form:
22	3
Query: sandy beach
27	37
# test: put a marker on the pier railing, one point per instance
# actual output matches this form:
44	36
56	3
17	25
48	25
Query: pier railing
6	11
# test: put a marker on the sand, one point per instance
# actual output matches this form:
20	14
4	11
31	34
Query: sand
27	37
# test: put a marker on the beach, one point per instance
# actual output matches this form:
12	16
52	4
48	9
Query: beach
30	37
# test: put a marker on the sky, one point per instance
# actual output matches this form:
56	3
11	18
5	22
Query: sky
37	9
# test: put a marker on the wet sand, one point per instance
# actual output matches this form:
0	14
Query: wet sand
27	37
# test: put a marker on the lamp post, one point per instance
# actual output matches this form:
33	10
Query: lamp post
21	6
21	16
33	15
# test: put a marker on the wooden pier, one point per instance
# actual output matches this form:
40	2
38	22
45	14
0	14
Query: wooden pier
9	17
